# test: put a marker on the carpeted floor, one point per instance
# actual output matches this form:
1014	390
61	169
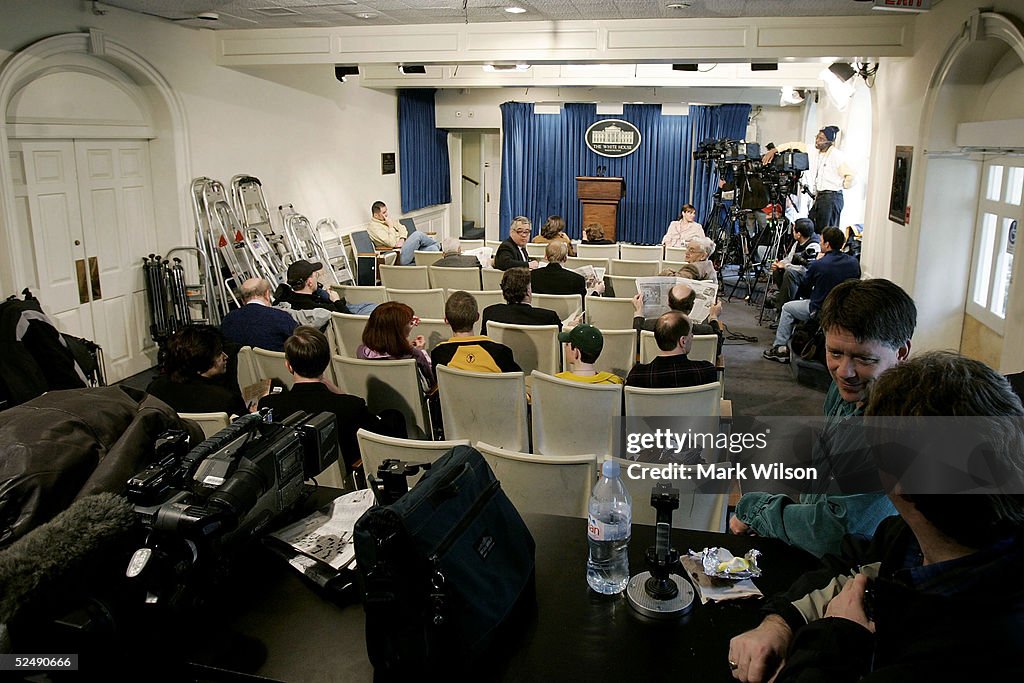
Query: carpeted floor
757	386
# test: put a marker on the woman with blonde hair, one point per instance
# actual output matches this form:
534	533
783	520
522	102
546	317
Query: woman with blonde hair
386	337
554	230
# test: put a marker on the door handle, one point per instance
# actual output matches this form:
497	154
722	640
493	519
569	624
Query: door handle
83	287
94	278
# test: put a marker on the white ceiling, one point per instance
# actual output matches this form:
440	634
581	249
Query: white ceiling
247	14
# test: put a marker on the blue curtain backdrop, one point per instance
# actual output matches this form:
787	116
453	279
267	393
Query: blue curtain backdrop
543	153
708	123
424	176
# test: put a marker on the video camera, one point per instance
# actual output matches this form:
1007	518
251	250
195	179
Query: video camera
726	151
200	504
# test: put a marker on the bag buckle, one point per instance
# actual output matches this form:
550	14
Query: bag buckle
437	598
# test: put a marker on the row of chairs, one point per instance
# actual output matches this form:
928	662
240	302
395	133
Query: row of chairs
556	485
619	250
432	276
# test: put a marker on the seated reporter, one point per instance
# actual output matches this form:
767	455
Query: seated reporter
195	374
593	233
698	253
553	230
936	594
671	368
555	278
386	337
515	288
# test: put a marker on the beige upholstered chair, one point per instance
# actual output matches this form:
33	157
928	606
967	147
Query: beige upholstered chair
466	279
270	365
634	269
348	332
478	406
427	258
425	303
609	312
386	384
550	485
574	262
639	252
536	250
704	347
621	286
434	330
619	353
700	511
675	254
376	448
598	251
700	401
404	277
570	417
357	294
565	305
535	347
491	278
211	423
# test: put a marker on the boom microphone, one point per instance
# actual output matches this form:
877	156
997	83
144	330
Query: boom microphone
66	556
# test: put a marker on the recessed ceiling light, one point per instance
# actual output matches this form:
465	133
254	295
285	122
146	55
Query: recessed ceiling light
366	15
677	5
514	10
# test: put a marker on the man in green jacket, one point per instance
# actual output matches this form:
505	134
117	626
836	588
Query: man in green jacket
868	325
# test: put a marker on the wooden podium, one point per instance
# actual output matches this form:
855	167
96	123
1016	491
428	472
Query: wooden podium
600	199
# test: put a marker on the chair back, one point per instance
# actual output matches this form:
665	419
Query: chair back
641	252
491	278
469	245
404	277
675	254
619	352
648	346
703	400
635	269
478	406
536	250
704	347
246	369
610	312
672	265
211	423
427	258
409	225
270	365
493	244
535	347
565	305
466	279
386	384
361	294
483	299
698	511
570	418
361	242
555	485
425	303
348	332
574	262
598	250
434	330
621	286
376	448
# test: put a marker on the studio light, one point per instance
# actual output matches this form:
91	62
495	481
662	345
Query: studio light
791	96
839	83
843	71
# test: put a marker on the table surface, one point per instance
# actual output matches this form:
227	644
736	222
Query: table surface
576	634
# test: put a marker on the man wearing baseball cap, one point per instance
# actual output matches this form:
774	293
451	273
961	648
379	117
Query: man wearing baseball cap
585	344
830	174
303	292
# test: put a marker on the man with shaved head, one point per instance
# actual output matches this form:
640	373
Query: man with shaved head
674	335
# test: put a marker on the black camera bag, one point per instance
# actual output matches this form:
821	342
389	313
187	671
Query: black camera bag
443	569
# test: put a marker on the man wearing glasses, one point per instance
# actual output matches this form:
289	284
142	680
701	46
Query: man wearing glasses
512	252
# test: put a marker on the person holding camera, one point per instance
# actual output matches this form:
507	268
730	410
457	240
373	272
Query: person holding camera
788	272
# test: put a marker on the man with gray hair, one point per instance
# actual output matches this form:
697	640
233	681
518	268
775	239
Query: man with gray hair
554	278
453	258
257	323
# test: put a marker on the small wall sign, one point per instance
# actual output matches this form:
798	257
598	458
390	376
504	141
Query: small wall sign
613	138
387	163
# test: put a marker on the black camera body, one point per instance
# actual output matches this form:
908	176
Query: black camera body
791	161
727	151
199	505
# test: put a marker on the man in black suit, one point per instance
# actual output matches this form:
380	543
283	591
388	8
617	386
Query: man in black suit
512	252
554	278
307	355
515	287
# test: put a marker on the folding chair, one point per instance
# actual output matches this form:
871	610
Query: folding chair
639	252
466	279
535	347
376	448
609	312
386	384
404	277
565	305
570	418
550	485
348	332
633	269
478	406
425	303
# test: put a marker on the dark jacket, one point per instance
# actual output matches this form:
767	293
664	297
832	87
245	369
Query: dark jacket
945	622
457	261
258	325
518	314
671	372
555	279
510	256
827	272
198	395
305	302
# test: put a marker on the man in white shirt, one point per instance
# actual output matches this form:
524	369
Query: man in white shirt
828	176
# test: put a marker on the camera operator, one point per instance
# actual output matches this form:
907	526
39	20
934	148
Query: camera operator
829	175
788	272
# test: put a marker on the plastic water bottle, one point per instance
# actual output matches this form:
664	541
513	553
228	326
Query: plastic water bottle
608	531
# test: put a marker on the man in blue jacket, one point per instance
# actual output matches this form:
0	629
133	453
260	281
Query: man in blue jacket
257	323
831	268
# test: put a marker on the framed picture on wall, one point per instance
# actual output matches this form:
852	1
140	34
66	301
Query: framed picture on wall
900	184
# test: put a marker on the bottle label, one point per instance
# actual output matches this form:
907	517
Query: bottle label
602	531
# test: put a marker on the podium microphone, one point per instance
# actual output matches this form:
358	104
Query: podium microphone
658	593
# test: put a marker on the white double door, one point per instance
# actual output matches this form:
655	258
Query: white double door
88	211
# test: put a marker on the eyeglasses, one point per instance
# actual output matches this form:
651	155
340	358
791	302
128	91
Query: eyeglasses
522	232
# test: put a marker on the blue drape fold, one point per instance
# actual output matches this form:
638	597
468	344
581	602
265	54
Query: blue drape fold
425	174
542	154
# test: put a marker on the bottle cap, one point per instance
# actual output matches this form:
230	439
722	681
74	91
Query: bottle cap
610	469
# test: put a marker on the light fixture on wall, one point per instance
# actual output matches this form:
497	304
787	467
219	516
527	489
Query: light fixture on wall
839	83
412	69
790	96
343	70
684	67
764	66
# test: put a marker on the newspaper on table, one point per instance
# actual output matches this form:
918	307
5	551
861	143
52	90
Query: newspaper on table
483	255
594	275
654	291
326	536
